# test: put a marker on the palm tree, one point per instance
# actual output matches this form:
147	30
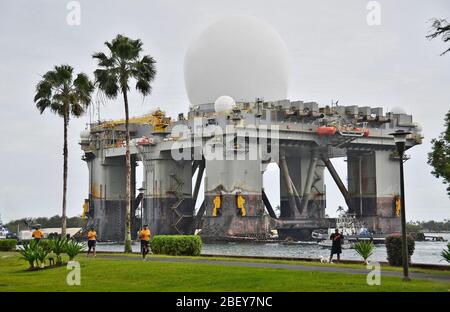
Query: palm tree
65	96
122	63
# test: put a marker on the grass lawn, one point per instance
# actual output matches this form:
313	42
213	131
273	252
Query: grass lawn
129	275
385	267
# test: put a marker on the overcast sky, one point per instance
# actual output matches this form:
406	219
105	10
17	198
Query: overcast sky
334	54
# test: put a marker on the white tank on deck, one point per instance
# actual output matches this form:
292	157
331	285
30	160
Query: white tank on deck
85	135
224	104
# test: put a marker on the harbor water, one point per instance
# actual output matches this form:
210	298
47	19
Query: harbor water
425	252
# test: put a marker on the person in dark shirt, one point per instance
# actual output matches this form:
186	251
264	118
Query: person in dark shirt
336	246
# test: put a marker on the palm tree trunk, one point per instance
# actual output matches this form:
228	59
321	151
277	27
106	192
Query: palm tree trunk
65	154
128	188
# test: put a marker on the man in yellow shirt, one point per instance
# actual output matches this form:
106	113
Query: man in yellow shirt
144	236
37	234
92	240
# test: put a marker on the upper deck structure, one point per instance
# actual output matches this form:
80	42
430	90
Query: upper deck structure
230	145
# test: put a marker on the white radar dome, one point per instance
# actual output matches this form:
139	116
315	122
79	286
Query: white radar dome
85	134
240	56
224	104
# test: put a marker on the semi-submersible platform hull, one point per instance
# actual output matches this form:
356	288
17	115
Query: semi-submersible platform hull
230	150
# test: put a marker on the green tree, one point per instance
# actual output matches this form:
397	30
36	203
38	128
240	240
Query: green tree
413	228
440	27
114	72
59	92
439	157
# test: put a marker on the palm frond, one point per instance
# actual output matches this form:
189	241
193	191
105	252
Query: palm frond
43	104
125	48
150	62
59	247
364	249
446	253
103	60
144	69
77	110
28	253
58	108
52	77
107	81
83	91
41	254
73	248
143	87
83	84
64	73
144	72
110	46
43	90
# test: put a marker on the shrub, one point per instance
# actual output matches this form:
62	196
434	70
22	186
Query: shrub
73	248
28	252
394	249
177	245
46	244
58	248
446	253
8	244
364	249
41	254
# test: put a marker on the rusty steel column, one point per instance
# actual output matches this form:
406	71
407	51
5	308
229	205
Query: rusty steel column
309	182
337	180
287	181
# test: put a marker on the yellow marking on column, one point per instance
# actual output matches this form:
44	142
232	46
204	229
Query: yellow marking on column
240	205
217	203
397	206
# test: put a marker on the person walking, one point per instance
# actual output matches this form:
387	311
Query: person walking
37	234
92	241
336	246
144	236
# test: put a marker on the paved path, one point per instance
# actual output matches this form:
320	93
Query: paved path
300	267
